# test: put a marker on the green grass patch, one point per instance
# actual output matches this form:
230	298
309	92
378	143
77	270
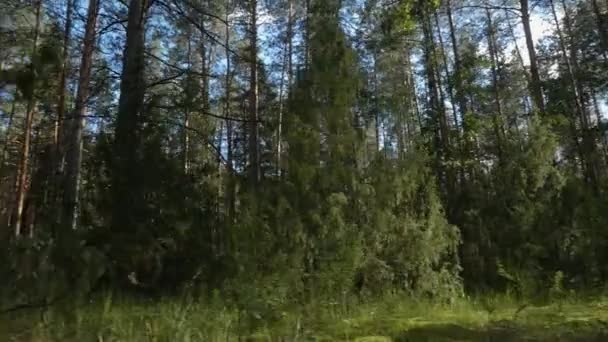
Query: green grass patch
395	318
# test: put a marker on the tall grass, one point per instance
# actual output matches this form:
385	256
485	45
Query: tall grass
120	318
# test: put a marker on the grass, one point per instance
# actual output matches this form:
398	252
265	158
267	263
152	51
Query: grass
395	318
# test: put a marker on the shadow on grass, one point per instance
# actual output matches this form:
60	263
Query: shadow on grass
500	333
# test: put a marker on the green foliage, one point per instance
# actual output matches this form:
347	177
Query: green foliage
384	187
42	272
394	317
406	231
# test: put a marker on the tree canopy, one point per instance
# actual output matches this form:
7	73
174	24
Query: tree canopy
298	149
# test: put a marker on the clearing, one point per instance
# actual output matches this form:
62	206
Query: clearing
392	319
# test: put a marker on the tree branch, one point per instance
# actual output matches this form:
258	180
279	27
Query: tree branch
515	10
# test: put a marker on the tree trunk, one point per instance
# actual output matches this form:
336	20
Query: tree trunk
57	156
498	116
254	157
130	107
290	24
9	128
588	146
63	78
375	104
598	118
219	202
22	175
187	109
76	122
462	100
204	72
7	196
289	66
448	79
460	94
535	83
307	35
526	105
518	53
436	106
412	92
571	61
281	105
230	193
602	27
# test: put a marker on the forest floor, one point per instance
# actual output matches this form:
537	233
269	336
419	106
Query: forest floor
393	319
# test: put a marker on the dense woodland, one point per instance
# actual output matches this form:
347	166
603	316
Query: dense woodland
298	149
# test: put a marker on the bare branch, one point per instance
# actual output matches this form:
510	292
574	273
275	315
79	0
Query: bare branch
515	10
217	116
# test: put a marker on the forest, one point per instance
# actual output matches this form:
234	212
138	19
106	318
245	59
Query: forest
282	170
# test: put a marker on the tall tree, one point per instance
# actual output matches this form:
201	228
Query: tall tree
76	122
436	105
571	63
30	111
536	89
125	171
253	134
230	191
498	116
61	102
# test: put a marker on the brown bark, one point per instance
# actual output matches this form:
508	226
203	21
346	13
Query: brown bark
76	121
535	84
22	177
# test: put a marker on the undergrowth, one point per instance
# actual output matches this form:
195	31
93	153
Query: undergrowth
118	318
